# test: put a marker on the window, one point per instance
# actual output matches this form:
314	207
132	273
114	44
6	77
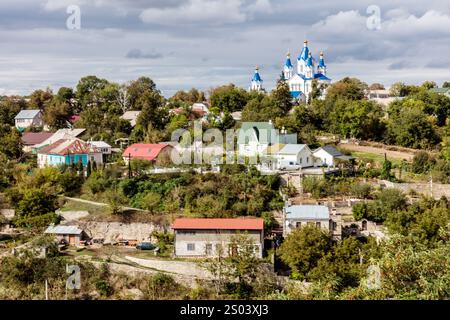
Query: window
307	159
298	224
219	249
317	224
208	249
301	159
191	247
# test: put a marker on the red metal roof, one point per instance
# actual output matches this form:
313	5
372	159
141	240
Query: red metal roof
69	146
32	138
222	224
145	151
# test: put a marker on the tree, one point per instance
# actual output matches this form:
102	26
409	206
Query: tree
228	98
429	85
88	169
348	89
10	142
57	115
386	170
138	88
116	200
151	202
303	248
9	108
40	99
376	86
446	84
421	162
281	97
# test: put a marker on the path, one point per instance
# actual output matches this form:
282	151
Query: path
380	151
101	204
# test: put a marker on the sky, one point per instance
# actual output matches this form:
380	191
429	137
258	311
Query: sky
182	44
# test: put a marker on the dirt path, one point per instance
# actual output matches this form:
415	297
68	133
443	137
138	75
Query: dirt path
380	151
100	204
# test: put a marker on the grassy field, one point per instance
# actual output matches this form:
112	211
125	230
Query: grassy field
379	158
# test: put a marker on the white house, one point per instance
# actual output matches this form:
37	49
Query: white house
102	146
254	138
29	118
294	156
204	237
328	156
131	116
297	216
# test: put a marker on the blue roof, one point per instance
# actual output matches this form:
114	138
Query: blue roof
307	212
288	63
296	94
322	62
309	62
256	76
303	77
321	76
304	54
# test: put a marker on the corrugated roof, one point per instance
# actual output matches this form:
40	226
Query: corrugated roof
99	144
292	148
145	151
27	114
33	138
63	230
61	134
68	146
307	212
219	224
331	151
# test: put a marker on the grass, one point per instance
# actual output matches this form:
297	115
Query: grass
379	158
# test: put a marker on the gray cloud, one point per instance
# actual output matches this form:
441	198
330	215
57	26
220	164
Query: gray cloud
138	54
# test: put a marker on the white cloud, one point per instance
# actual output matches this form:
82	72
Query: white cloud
214	12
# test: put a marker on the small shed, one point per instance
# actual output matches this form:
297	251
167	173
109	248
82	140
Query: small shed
71	235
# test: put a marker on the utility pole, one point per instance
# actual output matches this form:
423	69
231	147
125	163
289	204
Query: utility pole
46	289
129	165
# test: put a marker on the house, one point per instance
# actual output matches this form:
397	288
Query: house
442	91
103	147
31	139
58	135
205	237
131	116
71	235
29	118
200	107
329	156
382	96
255	137
147	151
296	216
67	152
294	156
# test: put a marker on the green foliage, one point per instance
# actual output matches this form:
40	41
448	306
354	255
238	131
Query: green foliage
228	98
115	200
303	248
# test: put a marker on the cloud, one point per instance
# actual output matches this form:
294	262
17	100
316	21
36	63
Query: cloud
138	54
399	65
214	12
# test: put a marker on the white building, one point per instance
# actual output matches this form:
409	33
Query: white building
254	138
308	69
297	216
29	118
205	237
102	146
294	156
131	116
328	156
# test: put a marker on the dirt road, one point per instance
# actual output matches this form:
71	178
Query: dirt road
408	155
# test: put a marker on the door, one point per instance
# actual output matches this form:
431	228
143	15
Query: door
72	240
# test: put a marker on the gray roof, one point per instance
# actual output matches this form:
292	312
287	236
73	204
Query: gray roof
63	230
292	148
331	151
27	114
307	212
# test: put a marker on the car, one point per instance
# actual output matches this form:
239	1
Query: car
145	246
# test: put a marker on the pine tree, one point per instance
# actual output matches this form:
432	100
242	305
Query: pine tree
282	97
88	169
94	166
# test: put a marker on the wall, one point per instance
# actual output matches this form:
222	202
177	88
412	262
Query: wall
202	237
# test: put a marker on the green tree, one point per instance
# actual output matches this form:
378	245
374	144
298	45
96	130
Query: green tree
228	98
303	248
281	97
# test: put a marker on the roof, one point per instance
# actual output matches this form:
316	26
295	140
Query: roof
288	62
256	76
99	144
61	134
307	212
33	138
144	151
63	230
304	53
275	148
309	62
27	114
321	76
131	116
331	151
74	118
296	94
68	146
219	224
292	148
322	63
439	90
